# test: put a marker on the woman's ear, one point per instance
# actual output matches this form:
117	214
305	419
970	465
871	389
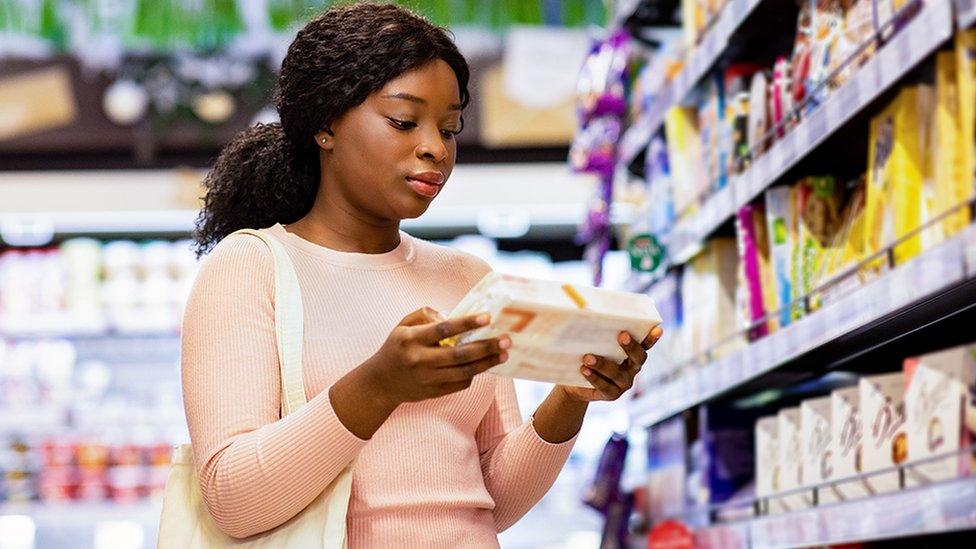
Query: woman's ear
325	139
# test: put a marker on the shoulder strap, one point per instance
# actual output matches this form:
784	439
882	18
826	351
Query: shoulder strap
289	329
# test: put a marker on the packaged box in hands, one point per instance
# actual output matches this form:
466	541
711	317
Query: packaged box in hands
552	324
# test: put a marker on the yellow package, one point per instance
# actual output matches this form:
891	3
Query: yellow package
951	184
894	185
966	73
684	152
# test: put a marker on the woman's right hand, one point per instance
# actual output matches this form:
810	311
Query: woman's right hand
412	365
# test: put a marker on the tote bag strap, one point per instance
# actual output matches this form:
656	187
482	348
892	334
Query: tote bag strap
289	329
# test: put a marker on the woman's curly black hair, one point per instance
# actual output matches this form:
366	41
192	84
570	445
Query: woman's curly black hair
269	173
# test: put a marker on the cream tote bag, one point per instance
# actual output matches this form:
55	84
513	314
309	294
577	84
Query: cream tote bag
186	523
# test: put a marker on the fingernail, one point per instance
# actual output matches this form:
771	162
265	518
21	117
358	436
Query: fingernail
589	360
586	371
624	338
505	343
483	319
503	357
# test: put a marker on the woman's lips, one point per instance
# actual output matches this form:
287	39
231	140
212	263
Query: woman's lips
424	188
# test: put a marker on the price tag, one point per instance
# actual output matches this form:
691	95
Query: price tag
780	349
777	162
802	334
818	328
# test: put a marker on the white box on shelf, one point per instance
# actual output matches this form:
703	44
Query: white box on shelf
815	432
940	414
882	408
846	434
790	463
767	456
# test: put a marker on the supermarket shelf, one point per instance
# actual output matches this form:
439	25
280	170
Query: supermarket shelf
938	283
937	508
965	13
78	513
698	63
923	35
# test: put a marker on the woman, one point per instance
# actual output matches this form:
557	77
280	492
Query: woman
370	98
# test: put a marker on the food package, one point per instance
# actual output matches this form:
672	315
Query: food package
767	457
940	414
710	318
782	235
894	183
815	431
552	325
684	153
790	463
966	73
884	445
845	442
951	185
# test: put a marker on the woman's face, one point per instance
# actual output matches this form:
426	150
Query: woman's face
390	156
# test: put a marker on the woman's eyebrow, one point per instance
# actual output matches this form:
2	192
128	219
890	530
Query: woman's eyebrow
414	99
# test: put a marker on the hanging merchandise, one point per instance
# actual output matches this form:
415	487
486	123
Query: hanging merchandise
601	106
605	488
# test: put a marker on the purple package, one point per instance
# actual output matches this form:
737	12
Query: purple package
616	529
606	484
749	257
603	79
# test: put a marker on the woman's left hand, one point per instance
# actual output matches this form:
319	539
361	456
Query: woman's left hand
611	379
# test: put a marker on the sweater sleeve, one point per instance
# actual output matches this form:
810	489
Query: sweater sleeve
519	466
256	470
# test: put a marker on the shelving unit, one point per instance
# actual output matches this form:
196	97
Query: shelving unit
912	44
700	60
939	508
939	283
869	320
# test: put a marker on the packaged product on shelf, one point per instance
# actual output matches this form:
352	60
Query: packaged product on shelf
894	183
767	459
601	84
855	43
816	432
759	118
781	228
884	445
728	446
800	57
940	410
552	324
845	442
966	72
819	205
757	296
734	138
780	96
826	18
951	185
709	290
668	353
684	154
886	12
790	463
711	119
667	469
660	197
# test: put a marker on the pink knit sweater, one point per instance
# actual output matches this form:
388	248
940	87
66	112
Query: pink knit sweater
448	472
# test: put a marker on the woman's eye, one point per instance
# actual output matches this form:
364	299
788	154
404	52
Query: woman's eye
448	134
402	124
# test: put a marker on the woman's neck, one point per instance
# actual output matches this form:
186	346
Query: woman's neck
337	225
